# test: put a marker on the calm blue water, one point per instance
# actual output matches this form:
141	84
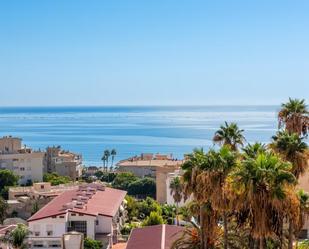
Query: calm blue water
132	130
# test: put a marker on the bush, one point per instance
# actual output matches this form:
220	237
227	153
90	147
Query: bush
55	179
7	179
123	180
92	244
127	228
153	219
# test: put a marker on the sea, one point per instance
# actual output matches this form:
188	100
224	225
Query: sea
132	130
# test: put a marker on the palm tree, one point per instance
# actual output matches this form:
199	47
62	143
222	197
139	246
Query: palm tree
293	149
192	185
107	155
16	238
253	150
294	116
189	239
229	134
304	211
104	161
261	186
113	154
176	192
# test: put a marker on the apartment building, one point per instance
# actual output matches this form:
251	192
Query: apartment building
24	200
147	164
65	163
92	209
24	162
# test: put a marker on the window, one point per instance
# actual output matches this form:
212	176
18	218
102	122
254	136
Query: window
78	226
22	169
36	233
80	214
49	233
49	230
61	216
73	214
54	217
42	186
97	222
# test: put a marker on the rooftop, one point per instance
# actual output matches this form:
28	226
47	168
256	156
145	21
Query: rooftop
154	237
157	160
90	199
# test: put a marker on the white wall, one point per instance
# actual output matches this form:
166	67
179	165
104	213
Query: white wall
105	224
90	223
58	226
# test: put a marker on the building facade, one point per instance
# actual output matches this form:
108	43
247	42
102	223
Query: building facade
64	163
24	162
94	210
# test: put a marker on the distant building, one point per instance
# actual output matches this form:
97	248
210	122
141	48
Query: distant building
92	209
154	237
24	162
147	164
64	163
23	200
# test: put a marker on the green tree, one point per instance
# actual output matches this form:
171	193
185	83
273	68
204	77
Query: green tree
153	219
176	192
229	134
261	186
107	154
16	238
55	179
7	179
143	187
3	209
92	244
123	180
294	116
253	150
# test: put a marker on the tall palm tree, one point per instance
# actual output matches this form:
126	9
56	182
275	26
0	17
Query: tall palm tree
104	161
16	238
113	154
294	116
293	149
107	155
176	192
208	217
229	134
261	185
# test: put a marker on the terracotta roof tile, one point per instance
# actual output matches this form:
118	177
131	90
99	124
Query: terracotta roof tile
151	237
103	202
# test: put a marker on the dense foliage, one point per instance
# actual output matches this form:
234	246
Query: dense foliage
55	179
7	179
92	244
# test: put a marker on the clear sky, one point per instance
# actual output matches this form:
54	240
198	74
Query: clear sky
162	52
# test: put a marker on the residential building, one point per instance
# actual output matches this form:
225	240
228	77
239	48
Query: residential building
23	161
92	209
147	164
169	196
154	237
23	201
64	163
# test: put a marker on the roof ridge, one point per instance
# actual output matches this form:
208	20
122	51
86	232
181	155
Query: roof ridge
163	237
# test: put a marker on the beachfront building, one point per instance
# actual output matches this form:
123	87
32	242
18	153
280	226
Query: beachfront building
154	237
23	201
23	161
147	164
92	209
64	163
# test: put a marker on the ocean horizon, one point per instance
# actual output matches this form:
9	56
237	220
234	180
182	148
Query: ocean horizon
132	130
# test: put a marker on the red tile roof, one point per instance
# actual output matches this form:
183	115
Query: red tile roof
103	202
154	237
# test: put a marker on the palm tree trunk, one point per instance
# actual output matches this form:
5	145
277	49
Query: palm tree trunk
225	229
261	243
177	218
290	234
202	225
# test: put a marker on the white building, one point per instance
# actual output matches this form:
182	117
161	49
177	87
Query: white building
24	162
169	196
92	209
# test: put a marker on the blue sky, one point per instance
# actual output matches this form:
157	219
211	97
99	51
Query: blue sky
168	52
